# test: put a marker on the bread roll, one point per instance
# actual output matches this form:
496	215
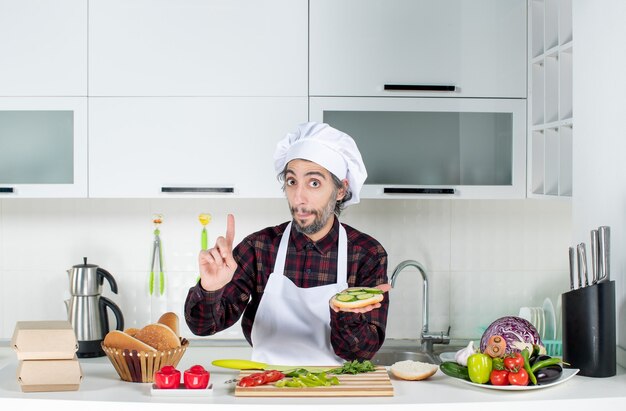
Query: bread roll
131	331
158	336
171	320
413	370
121	340
357	297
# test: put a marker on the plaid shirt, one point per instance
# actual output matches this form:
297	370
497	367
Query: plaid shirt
308	264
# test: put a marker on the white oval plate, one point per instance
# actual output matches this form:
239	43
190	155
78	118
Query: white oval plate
447	356
567	374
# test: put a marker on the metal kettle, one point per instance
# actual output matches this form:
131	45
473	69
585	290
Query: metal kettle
87	309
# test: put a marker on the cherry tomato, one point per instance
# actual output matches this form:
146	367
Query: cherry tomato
518	378
514	362
196	377
167	377
499	377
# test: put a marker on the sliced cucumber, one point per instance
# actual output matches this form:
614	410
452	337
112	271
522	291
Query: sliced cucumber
345	298
364	296
364	290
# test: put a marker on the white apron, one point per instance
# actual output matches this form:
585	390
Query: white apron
292	324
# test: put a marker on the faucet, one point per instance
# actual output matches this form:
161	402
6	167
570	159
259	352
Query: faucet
427	338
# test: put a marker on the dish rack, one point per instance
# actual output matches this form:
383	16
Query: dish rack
554	348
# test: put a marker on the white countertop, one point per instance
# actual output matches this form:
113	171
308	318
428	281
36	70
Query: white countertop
102	389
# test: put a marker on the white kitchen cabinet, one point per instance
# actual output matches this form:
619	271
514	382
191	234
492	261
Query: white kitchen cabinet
188	147
198	47
43	147
550	99
434	147
43	45
478	47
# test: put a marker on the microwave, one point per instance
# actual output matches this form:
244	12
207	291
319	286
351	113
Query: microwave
434	147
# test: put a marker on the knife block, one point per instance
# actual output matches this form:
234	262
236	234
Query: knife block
589	340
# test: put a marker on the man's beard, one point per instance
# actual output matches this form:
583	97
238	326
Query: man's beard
321	217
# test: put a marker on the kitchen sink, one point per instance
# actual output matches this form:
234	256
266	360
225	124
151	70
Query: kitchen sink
394	350
389	357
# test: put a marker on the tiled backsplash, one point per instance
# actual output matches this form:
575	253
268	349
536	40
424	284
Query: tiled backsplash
484	258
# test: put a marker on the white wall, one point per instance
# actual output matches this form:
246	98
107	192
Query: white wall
485	258
600	135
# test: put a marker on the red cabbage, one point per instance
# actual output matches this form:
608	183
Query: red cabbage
512	329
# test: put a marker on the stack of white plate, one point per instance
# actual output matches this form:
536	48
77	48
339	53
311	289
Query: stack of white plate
549	332
535	316
543	318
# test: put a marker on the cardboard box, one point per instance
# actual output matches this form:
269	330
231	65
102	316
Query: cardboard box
44	340
49	375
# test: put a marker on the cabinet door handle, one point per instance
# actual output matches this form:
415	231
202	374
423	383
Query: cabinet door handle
397	190
197	189
419	87
6	190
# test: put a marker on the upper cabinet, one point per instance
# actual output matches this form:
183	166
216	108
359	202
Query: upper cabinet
550	99
443	48
434	147
180	146
198	47
43	147
43	45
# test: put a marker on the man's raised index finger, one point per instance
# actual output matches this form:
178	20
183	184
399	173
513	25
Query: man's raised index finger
230	229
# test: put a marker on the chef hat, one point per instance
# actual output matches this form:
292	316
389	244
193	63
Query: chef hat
330	148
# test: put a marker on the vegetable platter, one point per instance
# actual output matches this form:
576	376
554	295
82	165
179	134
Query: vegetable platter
510	357
567	374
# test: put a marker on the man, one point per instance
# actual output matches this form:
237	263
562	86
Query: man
281	279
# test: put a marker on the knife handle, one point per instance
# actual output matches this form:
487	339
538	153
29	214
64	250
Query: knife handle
604	253
572	267
240	364
594	256
582	263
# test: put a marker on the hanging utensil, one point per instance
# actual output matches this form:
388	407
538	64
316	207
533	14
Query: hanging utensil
205	219
604	253
157	253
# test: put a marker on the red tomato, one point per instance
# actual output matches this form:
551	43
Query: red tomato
273	376
261	378
253	380
167	377
518	378
499	377
196	377
514	362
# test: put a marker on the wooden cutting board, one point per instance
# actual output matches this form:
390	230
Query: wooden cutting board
371	384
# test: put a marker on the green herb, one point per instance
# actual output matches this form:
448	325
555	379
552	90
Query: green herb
354	367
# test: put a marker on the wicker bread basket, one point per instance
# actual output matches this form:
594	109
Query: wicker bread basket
140	366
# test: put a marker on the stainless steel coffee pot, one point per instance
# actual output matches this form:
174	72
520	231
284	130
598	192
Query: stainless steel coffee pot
87	309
